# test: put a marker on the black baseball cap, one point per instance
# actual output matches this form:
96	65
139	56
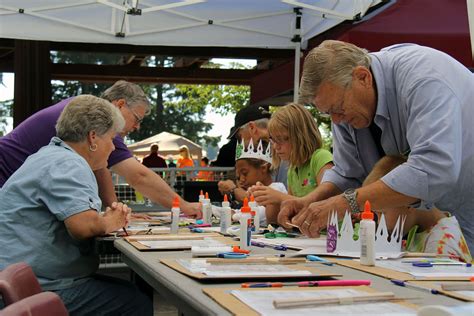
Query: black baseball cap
248	114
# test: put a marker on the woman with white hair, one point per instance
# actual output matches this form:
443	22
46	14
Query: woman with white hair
50	213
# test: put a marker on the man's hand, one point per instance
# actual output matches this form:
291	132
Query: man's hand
314	218
288	210
140	216
192	210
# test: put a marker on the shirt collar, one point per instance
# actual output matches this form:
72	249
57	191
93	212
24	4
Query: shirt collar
377	72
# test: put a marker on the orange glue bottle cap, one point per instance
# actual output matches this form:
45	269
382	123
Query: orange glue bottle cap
245	208
225	198
176	201
367	213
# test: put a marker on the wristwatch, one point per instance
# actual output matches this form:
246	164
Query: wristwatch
351	195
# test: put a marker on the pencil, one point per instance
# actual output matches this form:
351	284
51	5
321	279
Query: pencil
125	231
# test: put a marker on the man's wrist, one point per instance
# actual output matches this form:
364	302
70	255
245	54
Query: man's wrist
350	196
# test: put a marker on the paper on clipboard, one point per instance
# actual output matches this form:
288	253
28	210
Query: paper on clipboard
262	303
321	251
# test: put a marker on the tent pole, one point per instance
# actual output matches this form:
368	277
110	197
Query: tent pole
470	17
297	40
296	85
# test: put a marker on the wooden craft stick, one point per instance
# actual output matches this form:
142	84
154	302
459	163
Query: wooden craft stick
458	286
331	299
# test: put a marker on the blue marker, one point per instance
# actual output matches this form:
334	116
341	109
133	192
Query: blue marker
414	286
314	258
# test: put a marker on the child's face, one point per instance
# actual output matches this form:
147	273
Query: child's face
247	175
281	145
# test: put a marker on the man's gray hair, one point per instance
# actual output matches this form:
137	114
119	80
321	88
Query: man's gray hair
332	61
131	92
86	113
261	123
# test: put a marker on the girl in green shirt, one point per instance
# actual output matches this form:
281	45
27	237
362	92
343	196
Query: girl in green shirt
296	138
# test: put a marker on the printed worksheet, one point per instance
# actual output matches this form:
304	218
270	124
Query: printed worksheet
180	244
235	269
262	302
294	243
438	271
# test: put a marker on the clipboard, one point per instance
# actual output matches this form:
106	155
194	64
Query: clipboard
223	297
135	240
437	286
291	263
393	274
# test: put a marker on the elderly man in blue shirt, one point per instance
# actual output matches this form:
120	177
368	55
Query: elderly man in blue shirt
406	100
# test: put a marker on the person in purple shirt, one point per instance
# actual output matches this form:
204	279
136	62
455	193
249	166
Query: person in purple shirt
36	132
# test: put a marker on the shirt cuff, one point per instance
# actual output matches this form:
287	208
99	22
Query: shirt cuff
341	182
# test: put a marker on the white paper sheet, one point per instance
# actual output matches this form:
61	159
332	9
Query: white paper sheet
469	294
321	251
294	243
239	270
262	302
437	271
180	244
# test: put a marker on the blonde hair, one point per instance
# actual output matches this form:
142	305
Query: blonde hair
332	61
86	113
303	133
185	149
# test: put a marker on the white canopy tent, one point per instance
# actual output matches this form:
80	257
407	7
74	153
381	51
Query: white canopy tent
273	24
168	145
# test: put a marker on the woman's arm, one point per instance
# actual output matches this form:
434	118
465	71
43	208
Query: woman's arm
90	223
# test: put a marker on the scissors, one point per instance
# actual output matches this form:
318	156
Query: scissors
232	255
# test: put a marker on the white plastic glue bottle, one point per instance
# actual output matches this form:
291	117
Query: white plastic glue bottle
175	210
367	236
206	210
245	225
226	215
255	214
201	196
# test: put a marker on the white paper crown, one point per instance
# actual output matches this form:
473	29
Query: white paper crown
241	152
342	241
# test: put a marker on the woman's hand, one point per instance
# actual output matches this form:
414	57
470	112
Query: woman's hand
116	216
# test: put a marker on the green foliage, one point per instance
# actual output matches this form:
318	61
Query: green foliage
6	109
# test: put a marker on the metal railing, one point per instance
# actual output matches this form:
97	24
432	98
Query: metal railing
176	179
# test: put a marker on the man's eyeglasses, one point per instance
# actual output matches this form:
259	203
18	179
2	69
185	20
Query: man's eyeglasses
138	119
335	110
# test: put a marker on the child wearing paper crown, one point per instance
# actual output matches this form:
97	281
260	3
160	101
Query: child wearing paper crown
295	137
253	166
431	231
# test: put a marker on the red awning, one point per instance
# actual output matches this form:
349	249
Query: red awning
441	24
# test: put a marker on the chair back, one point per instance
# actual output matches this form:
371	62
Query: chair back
46	303
18	281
